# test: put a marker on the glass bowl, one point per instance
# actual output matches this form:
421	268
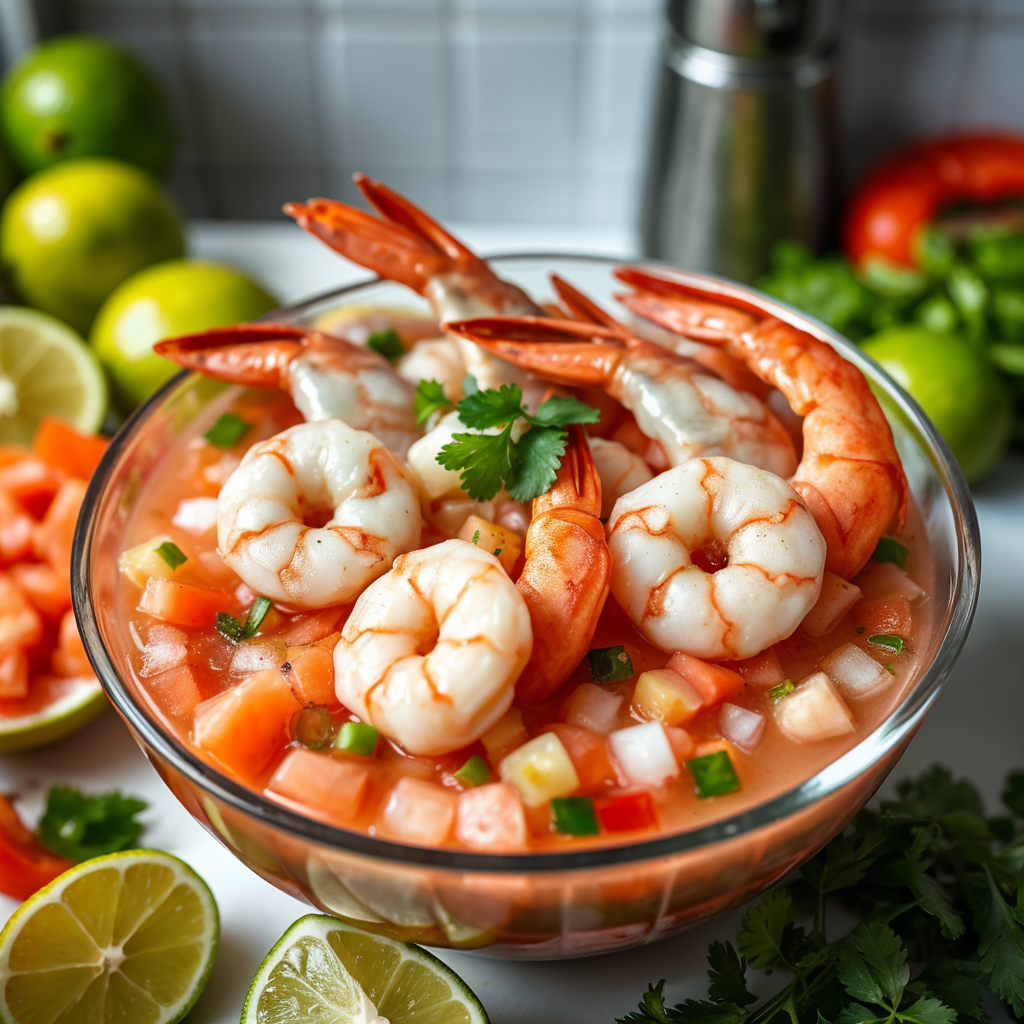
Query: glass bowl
538	905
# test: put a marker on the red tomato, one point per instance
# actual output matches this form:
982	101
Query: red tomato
626	813
25	864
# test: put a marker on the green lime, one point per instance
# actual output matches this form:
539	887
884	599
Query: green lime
45	370
322	969
71	234
170	299
76	96
127	937
957	387
79	702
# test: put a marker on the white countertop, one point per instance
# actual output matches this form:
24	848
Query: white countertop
975	727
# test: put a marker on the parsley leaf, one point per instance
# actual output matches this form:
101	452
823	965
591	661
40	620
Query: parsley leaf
562	411
540	454
80	827
727	972
227	430
491	408
429	398
1002	947
386	343
486	461
764	931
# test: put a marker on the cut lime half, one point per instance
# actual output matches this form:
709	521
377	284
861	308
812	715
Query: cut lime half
324	970
127	937
77	704
46	369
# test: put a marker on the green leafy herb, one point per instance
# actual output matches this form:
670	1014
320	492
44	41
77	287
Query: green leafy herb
933	889
892	643
776	693
227	430
525	467
476	537
387	343
235	630
80	827
429	398
171	554
889	550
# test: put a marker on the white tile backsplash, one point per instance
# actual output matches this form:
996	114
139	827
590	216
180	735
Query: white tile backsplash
505	110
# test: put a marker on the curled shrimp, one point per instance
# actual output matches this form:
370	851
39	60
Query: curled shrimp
406	245
675	400
850	474
432	650
326	376
620	470
715	558
315	513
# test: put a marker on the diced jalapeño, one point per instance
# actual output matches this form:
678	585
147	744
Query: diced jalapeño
610	664
887	640
574	816
357	738
889	550
713	774
475	772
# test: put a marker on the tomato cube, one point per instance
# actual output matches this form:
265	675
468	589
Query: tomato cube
626	813
31	482
176	691
20	624
491	818
310	627
714	683
310	672
48	591
14	676
17	529
65	448
885	615
70	659
53	536
246	727
182	604
418	812
319	785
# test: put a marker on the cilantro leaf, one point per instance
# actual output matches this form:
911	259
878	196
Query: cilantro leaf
727	971
81	827
228	429
563	411
386	343
1002	946
257	613
874	967
540	453
492	408
927	1011
429	398
486	461
229	626
764	929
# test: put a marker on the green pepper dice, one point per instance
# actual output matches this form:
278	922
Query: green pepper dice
610	664
574	816
357	738
713	774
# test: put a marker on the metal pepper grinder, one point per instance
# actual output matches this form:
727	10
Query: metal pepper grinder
742	152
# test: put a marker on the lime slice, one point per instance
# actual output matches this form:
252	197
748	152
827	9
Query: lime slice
128	937
324	970
75	706
45	369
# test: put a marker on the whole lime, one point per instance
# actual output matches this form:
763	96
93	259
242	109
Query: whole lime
71	234
172	298
76	96
957	387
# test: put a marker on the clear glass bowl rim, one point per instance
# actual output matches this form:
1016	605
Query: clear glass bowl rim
872	748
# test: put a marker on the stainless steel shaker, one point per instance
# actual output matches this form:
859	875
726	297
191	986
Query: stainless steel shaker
742	151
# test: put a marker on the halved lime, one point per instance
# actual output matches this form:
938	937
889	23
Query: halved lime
324	970
70	705
45	369
127	937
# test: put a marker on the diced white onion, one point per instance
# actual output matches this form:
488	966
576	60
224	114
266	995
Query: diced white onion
886	579
644	754
257	655
196	515
855	672
813	711
836	599
740	726
594	708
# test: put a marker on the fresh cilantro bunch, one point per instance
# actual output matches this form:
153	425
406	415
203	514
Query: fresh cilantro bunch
525	467
931	880
80	827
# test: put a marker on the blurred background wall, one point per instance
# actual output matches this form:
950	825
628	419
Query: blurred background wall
501	110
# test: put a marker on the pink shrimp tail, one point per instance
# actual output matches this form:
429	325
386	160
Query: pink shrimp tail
256	355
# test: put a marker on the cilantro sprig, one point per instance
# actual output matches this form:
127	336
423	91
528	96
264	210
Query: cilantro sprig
80	827
525	466
235	630
929	879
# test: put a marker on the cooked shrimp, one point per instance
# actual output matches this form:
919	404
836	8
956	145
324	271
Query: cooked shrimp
315	513
850	474
432	650
620	470
715	558
566	575
675	401
326	376
405	245
437	359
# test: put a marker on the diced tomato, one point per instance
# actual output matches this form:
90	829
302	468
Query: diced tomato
17	528
20	624
14	676
310	672
53	536
885	615
589	755
762	670
32	482
491	818
182	604
714	683
328	788
63	447
681	743
176	691
246	727
48	591
311	626
25	864
70	658
626	813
